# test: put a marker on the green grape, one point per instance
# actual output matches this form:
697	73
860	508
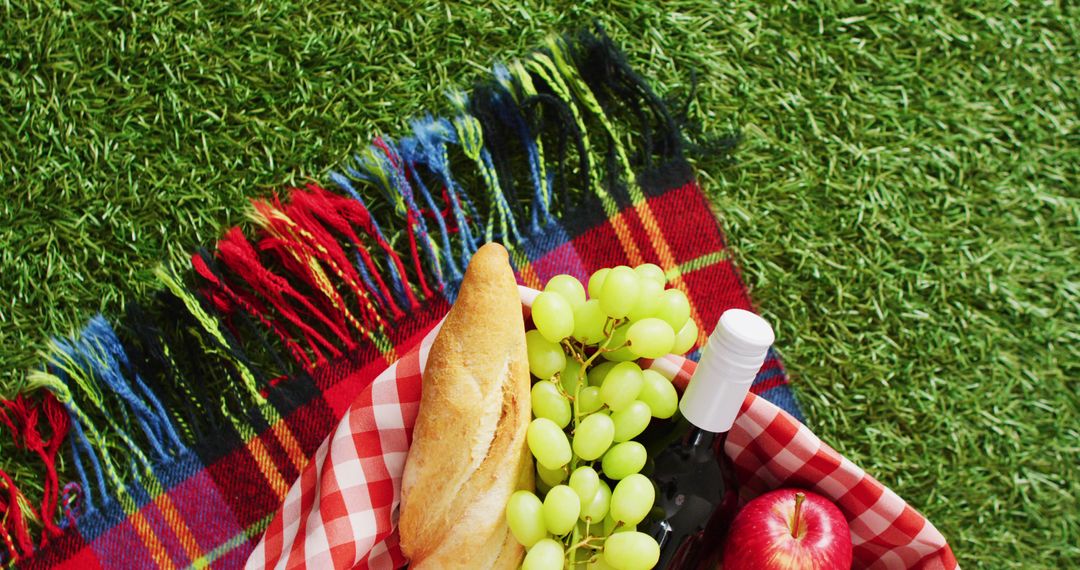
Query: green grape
685	338
524	515
548	402
659	394
674	308
546	554
561	509
618	336
569	288
548	443
620	292
618	339
651	272
569	375
597	509
631	551
631	420
621	386
609	525
589	322
632	499
621	355
553	317
585	482
596	282
541	486
612	526
593	436
648	300
551	476
600	371
589	400
599	564
650	338
546	358
624	459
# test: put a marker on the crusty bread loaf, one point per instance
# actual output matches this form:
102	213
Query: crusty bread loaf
468	453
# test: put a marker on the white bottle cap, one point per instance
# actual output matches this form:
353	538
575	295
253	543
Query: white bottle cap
729	362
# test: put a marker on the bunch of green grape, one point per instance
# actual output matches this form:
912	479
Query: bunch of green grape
589	401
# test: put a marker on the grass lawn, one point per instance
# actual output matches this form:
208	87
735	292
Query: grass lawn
904	203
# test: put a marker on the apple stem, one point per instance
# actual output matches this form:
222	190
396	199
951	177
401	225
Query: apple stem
799	497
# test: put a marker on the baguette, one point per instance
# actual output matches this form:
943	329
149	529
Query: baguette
468	453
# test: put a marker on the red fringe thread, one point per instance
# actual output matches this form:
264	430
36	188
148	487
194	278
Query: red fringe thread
22	417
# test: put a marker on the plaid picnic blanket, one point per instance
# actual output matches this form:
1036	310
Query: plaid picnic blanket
170	435
339	512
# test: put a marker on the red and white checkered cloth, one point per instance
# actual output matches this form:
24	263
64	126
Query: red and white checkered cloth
342	510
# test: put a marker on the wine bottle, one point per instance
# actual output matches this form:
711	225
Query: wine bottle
696	495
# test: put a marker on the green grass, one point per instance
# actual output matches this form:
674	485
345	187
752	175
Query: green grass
904	202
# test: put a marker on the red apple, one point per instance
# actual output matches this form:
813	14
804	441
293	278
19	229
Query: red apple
788	529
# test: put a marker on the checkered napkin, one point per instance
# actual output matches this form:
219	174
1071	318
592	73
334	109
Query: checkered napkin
341	512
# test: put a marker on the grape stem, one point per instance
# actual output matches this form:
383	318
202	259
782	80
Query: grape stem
572	551
588	541
582	374
581	379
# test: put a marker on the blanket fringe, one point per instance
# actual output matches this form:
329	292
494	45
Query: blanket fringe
23	418
326	272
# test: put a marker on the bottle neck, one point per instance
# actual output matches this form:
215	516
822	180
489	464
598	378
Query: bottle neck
684	434
702	438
